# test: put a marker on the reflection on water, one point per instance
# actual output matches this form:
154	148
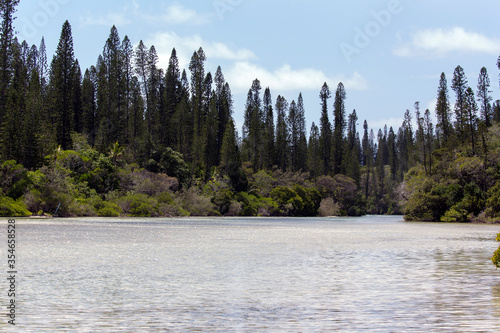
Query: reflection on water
374	274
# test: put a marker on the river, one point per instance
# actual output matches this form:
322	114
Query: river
368	274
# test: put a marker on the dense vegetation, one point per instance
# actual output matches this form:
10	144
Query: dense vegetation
128	138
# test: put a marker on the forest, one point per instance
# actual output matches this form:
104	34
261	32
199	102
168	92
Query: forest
126	138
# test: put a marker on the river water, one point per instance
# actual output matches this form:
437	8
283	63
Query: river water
369	274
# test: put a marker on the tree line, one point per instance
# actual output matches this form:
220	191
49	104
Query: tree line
125	114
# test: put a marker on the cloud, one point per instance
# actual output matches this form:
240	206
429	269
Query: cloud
164	42
119	19
394	122
441	42
285	78
177	14
174	14
239	68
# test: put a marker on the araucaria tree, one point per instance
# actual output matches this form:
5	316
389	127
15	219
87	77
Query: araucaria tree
62	83
325	128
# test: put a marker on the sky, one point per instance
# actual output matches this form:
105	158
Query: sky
388	54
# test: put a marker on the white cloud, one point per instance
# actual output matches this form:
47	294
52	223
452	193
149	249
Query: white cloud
174	14
240	71
177	14
164	42
394	122
440	42
118	19
242	74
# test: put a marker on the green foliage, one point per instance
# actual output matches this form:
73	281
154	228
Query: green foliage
13	179
13	208
493	201
254	205
289	202
170	162
496	256
138	205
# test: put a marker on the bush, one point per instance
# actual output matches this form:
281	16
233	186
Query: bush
329	208
496	256
12	208
109	210
289	202
138	205
195	203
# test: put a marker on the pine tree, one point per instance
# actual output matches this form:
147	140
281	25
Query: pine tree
89	104
224	105
443	111
14	117
314	152
484	98
338	128
7	10
325	127
429	137
77	99
301	160
282	134
62	85
294	135
471	117
253	127
230	163
269	131
127	57
197	69
351	160
459	85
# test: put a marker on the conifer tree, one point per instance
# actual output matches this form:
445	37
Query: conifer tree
459	85
282	134
253	126
443	111
62	85
89	104
325	127
294	135
471	117
483	97
127	57
314	152
7	10
301	159
338	128
269	131
197	69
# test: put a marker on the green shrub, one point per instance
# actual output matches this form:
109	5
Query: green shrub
455	214
496	256
13	208
138	204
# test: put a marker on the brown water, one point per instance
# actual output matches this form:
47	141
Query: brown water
370	274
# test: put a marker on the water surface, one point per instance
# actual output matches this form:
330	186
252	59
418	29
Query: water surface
370	274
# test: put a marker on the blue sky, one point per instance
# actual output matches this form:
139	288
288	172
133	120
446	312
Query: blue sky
387	53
